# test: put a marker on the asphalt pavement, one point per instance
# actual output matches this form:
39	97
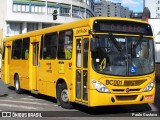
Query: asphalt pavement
29	105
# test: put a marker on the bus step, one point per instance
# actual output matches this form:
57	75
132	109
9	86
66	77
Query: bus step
34	91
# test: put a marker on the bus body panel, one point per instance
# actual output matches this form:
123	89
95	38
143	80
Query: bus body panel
42	75
123	99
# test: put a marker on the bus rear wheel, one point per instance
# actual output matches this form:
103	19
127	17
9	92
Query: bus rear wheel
17	85
63	96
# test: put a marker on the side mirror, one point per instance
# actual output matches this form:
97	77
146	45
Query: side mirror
93	45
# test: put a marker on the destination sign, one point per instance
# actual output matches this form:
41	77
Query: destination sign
118	26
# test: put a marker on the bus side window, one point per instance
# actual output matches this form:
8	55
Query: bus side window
65	45
25	49
49	46
16	49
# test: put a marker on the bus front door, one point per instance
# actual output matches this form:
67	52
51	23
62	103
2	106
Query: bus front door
82	47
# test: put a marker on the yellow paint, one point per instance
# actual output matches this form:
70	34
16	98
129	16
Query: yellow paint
81	31
61	67
43	76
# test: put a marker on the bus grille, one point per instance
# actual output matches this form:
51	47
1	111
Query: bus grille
118	90
123	90
133	82
125	98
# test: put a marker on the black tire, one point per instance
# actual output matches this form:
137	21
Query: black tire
62	96
17	85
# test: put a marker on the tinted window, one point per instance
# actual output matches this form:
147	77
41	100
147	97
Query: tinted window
49	46
65	45
4	46
25	48
85	53
41	53
16	49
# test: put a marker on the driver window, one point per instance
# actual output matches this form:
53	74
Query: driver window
142	50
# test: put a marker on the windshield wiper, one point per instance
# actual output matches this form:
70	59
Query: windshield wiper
114	41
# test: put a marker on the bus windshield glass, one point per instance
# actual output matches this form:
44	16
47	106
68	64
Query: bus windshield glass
122	55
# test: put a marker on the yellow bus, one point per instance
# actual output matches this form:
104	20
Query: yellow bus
98	61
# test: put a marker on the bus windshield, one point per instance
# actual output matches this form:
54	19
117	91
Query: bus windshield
123	56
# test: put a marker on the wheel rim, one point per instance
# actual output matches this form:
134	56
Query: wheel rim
17	85
64	95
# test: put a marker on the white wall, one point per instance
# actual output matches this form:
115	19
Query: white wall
151	4
27	17
155	23
3	14
3	5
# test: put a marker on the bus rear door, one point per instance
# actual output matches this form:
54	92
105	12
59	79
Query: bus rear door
34	63
6	64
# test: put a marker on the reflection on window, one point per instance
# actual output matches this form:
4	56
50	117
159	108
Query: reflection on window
49	46
25	48
142	50
78	52
4	47
124	56
85	79
16	49
65	45
85	53
78	83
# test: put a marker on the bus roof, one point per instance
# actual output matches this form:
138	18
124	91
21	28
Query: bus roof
72	25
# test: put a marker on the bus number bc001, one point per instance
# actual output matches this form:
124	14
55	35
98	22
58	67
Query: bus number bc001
114	82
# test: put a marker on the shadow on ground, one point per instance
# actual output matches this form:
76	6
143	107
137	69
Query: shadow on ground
113	109
4	95
37	96
100	111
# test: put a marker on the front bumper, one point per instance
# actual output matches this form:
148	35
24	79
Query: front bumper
105	99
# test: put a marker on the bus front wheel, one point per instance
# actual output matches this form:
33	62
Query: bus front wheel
17	84
63	96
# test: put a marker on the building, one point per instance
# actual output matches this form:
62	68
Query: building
111	9
137	15
21	16
154	7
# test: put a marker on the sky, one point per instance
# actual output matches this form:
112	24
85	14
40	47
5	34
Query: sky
135	5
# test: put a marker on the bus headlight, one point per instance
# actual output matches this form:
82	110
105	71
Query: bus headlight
149	87
99	86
